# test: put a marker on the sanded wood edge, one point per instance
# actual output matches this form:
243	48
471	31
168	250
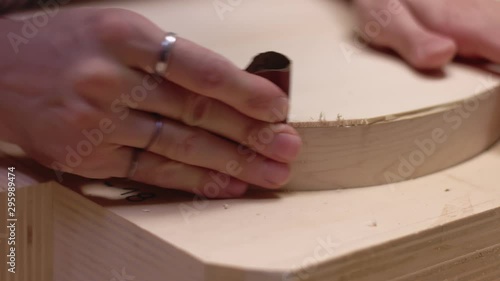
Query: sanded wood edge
341	122
398	148
33	235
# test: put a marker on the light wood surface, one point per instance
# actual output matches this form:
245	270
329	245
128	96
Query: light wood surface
311	33
445	226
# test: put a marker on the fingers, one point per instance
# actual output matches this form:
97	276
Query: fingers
137	43
199	148
491	46
474	26
174	102
160	171
399	30
118	90
209	74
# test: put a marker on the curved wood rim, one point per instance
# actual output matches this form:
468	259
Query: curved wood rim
387	149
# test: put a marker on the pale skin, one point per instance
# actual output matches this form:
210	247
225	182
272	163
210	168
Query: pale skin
77	79
208	106
428	34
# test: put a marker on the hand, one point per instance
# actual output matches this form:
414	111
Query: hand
80	98
429	33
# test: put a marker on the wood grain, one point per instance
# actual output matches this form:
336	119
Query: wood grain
402	148
33	234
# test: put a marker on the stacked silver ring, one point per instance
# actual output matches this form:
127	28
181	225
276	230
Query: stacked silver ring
134	164
161	69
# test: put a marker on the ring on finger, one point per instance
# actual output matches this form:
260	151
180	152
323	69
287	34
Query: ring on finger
161	67
134	163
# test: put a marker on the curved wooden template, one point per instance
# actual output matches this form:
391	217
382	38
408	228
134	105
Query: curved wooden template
328	84
373	151
395	148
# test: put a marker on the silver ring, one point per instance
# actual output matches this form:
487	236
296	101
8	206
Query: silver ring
161	67
134	163
156	134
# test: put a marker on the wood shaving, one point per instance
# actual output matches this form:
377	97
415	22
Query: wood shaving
372	223
322	117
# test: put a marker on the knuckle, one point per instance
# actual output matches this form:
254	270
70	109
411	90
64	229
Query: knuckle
94	76
259	102
110	27
167	172
365	6
197	109
214	72
252	130
79	115
185	147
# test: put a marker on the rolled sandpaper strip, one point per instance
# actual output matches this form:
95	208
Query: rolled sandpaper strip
273	66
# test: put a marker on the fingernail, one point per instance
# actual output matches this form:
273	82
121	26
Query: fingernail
432	51
276	173
236	188
439	50
286	147
279	109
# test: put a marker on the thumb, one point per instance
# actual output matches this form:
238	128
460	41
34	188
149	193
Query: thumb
389	23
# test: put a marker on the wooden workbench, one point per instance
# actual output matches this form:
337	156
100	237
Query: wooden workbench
444	226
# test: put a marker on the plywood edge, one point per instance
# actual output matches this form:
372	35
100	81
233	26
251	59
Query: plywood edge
466	249
33	234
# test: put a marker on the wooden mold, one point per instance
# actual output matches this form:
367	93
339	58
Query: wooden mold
365	116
